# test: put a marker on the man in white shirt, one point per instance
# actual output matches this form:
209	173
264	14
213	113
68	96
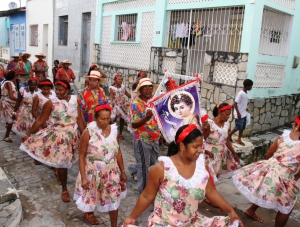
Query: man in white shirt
240	111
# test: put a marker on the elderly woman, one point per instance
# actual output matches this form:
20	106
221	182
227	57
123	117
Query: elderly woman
57	144
178	183
92	96
8	102
101	181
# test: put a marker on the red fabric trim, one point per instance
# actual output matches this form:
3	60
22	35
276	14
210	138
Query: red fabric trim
62	84
32	79
185	133
297	120
228	107
204	118
46	83
103	107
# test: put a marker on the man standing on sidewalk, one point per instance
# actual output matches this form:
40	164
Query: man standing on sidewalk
145	133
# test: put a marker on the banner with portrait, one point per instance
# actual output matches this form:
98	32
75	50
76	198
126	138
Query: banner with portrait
176	108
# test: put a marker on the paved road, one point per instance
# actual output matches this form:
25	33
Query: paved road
40	193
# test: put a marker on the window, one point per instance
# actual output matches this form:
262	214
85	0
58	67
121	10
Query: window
17	36
22	32
33	35
126	28
63	31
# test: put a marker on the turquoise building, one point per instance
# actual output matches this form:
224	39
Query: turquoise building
225	41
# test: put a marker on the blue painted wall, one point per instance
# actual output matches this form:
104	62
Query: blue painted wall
4	24
17	19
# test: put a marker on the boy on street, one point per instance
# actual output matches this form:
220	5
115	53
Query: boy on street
240	111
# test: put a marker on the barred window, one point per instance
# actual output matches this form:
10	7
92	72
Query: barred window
126	28
63	31
33	35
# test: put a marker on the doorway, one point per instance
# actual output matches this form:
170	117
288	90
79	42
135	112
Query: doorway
86	42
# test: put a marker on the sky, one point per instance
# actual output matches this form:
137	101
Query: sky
4	3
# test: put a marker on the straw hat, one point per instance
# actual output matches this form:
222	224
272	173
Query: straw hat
66	62
15	55
96	74
25	53
145	82
40	54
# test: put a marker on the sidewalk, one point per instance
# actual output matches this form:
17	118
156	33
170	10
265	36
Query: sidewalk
42	206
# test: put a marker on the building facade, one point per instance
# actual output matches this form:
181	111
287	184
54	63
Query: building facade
225	41
39	26
74	25
17	34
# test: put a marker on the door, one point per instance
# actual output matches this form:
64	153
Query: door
86	41
12	39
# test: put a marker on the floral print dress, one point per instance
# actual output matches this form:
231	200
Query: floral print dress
6	104
57	144
24	118
102	171
120	102
42	100
270	183
223	161
176	203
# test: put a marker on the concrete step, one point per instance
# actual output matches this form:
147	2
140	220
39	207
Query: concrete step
10	205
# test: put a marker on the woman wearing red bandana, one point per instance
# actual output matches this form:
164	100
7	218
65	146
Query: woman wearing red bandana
221	157
272	183
101	181
57	144
178	183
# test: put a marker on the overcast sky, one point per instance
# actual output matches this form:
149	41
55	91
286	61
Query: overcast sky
4	3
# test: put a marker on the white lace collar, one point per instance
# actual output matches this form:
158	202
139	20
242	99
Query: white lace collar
118	89
72	100
113	132
200	172
287	139
219	129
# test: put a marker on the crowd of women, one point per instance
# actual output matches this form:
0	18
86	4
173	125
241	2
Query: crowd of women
58	129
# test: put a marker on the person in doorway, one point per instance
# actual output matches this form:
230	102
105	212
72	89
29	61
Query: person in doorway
145	135
24	118
14	65
57	144
55	69
178	183
272	183
240	111
40	67
65	73
9	97
118	98
101	182
92	96
25	71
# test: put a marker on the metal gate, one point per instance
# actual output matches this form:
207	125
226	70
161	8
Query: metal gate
201	30
86	41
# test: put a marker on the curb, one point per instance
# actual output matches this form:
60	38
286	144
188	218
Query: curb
10	204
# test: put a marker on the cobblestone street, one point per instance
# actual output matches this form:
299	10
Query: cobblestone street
42	206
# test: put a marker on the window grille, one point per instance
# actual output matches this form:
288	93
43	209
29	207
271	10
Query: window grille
225	73
63	30
201	30
126	28
22	32
287	3
33	35
275	33
269	76
17	35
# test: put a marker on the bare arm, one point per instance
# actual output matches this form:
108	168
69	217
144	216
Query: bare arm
205	129
111	95
272	149
231	149
84	142
46	110
10	92
80	120
121	166
237	110
214	196
35	104
127	94
143	120
155	177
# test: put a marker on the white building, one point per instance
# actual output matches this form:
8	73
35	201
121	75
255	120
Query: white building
39	27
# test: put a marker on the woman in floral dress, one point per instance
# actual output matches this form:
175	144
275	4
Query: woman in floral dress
57	144
180	182
101	181
272	183
24	118
221	157
118	98
9	97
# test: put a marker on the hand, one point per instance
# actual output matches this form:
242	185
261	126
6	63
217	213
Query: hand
149	114
205	126
239	116
85	184
209	154
236	158
24	138
128	221
233	216
123	178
